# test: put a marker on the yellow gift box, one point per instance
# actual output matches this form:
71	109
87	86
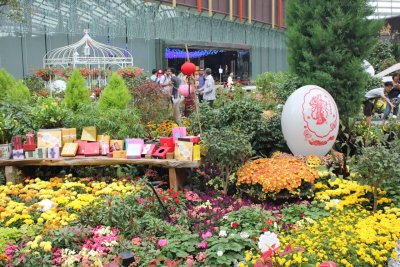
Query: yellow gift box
119	154
183	150
89	134
69	150
196	152
116	145
47	139
68	135
103	138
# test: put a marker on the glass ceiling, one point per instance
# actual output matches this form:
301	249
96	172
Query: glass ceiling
385	8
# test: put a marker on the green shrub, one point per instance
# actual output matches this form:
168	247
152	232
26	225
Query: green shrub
35	84
381	51
376	167
7	83
118	123
76	93
115	94
19	94
47	113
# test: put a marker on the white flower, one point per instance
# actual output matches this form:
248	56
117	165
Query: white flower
335	201
222	233
220	253
46	205
267	241
244	235
225	217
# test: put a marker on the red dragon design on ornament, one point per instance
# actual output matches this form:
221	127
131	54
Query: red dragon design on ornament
320	116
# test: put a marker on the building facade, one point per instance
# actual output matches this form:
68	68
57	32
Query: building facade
241	36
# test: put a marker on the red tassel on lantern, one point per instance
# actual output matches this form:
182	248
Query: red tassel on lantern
188	68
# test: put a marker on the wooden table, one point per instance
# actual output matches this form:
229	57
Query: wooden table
176	168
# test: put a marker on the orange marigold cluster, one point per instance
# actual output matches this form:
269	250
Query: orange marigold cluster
276	174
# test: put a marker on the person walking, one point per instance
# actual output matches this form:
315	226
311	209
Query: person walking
201	79
230	82
393	96
208	90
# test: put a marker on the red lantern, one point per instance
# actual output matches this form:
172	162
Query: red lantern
188	68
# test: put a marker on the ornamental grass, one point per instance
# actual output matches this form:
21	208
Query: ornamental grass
276	174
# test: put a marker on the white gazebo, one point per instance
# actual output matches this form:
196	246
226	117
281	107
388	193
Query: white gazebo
88	53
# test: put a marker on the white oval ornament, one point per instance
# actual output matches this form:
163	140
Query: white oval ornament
310	121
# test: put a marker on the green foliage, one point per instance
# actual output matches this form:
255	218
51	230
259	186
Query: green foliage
180	245
76	93
7	83
118	123
278	85
373	82
14	120
249	219
34	84
265	135
327	41
115	95
48	113
381	51
15	235
19	94
377	166
12	9
227	148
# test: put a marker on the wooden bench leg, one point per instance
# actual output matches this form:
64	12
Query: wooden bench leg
177	178
13	174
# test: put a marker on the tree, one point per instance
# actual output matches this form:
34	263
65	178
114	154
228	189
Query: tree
12	9
327	42
76	93
227	148
7	83
115	95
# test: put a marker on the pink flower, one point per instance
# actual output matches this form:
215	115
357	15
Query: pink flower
201	257
136	241
202	244
162	242
206	235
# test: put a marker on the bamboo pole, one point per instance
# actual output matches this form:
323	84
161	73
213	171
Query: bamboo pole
174	3
230	10
273	13
249	12
210	9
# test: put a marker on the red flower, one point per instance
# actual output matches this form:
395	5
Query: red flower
234	225
269	221
171	208
264	230
302	215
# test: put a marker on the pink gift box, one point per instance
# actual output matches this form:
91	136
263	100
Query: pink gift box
178	132
134	147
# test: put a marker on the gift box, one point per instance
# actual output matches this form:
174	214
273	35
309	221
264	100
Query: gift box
30	154
148	149
183	150
29	147
81	147
41	153
53	152
92	149
69	150
50	138
178	132
161	152
68	135
116	145
196	152
89	134
5	151
193	139
18	154
17	142
134	147
119	154
104	148
103	138
167	141
30	142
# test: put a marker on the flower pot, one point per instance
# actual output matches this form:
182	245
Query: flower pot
127	258
5	151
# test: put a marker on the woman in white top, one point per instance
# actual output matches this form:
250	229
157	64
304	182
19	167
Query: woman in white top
230	81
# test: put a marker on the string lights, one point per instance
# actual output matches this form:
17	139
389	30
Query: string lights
171	53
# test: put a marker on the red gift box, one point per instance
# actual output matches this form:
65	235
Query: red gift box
148	149
30	138
167	142
193	139
29	147
161	152
81	147
92	149
17	142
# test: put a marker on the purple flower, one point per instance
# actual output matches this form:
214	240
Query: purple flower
202	244
162	242
206	235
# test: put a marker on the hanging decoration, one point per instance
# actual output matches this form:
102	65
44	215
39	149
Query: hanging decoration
188	68
171	53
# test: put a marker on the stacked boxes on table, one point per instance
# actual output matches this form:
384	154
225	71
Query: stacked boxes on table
53	143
